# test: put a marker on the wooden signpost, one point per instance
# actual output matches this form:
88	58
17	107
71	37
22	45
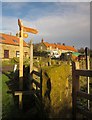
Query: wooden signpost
23	29
21	55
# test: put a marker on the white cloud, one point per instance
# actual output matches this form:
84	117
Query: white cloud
69	29
9	24
73	28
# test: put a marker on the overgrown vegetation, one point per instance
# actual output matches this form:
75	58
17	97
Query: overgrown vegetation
10	110
7	100
31	104
56	91
57	81
15	60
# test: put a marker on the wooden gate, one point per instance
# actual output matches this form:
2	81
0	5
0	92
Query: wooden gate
36	88
77	93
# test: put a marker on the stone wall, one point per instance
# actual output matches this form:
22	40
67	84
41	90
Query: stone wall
12	50
56	91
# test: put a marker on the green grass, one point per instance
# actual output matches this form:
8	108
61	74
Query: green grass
11	110
7	100
0	95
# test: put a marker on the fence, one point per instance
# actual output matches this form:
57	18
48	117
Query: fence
36	88
76	73
37	81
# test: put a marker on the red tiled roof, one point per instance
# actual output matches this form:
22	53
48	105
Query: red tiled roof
71	48
47	44
63	47
10	39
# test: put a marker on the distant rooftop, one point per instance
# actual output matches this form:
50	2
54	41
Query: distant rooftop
60	46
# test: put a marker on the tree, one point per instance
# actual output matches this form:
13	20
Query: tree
81	50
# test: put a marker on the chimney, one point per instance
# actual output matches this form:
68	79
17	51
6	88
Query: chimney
42	40
10	33
17	34
73	46
59	43
64	44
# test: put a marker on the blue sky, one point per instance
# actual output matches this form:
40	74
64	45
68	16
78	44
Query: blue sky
57	22
46	0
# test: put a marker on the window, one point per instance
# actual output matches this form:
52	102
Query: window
6	53
26	53
17	54
2	38
15	41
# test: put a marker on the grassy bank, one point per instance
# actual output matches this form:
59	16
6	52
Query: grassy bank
0	95
8	108
11	111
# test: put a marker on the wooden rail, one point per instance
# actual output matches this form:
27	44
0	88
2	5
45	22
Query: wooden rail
36	73
37	84
76	91
36	91
84	95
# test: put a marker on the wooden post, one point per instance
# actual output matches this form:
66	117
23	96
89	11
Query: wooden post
41	83
77	65
21	59
75	88
31	57
20	99
88	80
87	67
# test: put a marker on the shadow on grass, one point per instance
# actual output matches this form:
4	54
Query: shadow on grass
32	107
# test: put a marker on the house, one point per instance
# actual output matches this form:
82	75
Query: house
9	46
49	47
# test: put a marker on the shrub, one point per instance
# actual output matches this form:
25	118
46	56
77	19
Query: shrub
26	61
41	53
15	60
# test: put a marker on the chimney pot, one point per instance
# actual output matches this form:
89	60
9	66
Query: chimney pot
42	40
